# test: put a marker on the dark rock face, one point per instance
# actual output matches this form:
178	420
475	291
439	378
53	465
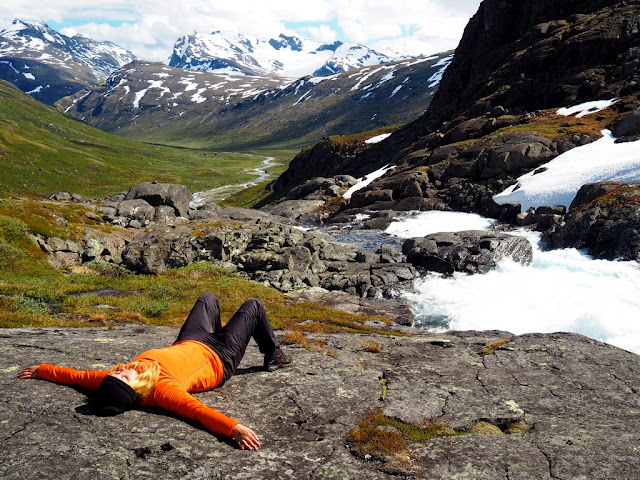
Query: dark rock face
321	160
157	194
629	126
534	55
515	60
573	398
471	251
541	218
604	218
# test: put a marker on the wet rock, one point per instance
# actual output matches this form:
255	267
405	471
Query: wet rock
543	218
471	251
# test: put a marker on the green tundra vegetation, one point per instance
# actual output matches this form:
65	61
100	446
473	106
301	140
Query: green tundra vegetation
44	151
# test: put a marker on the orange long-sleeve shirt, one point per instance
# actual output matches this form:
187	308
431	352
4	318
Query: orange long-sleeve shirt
187	366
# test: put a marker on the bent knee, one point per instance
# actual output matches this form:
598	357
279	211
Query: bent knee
255	304
208	298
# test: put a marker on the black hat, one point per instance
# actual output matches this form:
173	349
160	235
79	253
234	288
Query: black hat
113	397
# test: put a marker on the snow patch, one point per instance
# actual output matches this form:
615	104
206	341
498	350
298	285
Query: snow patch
35	90
600	161
437	77
367	179
10	64
586	108
377	138
197	97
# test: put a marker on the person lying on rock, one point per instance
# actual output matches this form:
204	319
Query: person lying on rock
204	356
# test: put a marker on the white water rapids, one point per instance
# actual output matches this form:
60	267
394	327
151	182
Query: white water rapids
562	290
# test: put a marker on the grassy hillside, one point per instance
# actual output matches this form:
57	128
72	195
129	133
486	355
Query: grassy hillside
43	151
33	293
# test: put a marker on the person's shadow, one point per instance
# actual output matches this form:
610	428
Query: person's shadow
88	409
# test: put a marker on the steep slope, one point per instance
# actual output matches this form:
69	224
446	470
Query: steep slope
43	151
494	115
153	102
286	56
48	65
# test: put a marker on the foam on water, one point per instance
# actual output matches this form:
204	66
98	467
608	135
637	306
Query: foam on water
562	291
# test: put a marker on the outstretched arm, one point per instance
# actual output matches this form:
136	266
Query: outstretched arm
90	379
171	396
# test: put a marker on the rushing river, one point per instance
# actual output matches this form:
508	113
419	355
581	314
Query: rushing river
562	290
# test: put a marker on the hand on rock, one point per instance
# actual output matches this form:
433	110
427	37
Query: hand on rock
29	372
245	437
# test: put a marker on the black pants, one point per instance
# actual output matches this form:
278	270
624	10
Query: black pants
229	342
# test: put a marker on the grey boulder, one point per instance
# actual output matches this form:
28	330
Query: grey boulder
157	194
469	251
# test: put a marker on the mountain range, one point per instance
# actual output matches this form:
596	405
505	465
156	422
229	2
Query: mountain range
154	102
285	56
49	65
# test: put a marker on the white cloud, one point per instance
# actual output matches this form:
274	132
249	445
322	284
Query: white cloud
323	33
149	28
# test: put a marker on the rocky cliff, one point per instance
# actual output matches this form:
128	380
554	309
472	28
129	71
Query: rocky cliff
494	115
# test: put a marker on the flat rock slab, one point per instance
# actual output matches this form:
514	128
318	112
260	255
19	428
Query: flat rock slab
578	397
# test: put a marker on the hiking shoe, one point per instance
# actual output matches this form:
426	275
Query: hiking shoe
276	360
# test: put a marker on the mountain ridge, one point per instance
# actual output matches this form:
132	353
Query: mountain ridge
49	65
154	102
286	56
494	117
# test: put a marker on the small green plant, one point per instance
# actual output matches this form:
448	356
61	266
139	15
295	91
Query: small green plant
8	254
108	270
12	229
154	308
31	305
388	439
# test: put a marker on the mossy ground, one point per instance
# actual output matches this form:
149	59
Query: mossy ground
389	440
33	293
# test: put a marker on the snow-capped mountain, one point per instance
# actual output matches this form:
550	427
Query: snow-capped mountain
154	102
49	65
286	56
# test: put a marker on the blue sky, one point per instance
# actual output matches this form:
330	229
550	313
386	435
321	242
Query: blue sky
149	28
